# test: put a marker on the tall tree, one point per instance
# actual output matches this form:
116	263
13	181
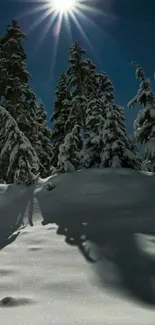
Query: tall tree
81	80
18	160
15	92
60	115
95	119
144	124
93	141
43	144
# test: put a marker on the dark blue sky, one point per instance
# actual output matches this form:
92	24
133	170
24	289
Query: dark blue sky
126	33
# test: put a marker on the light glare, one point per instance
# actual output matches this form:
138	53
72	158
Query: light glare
63	5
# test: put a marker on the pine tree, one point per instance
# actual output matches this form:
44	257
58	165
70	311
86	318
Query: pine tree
144	125
60	115
75	116
81	80
116	146
93	142
77	69
18	160
95	119
15	93
137	159
43	144
72	95
70	150
104	87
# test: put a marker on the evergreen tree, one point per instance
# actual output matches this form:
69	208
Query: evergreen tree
75	116
81	80
144	125
60	115
77	69
116	146
93	143
95	119
104	87
18	160
15	93
72	95
43	145
70	150
137	159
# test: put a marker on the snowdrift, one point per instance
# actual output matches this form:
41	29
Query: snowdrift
120	199
103	207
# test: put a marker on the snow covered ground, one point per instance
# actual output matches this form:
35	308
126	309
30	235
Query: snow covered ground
49	282
52	284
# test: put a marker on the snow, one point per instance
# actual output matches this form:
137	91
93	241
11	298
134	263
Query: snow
150	147
23	160
52	284
49	282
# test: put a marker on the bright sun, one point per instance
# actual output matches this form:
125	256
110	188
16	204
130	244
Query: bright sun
63	5
58	12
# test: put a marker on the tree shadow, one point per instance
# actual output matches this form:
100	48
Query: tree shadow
136	268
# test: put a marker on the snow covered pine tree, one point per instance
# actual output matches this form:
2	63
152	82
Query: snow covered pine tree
70	151
106	141
117	149
101	89
80	73
18	160
116	145
43	145
81	81
93	142
60	115
15	93
144	125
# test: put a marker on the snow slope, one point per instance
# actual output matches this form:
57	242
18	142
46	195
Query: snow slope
49	282
122	198
52	284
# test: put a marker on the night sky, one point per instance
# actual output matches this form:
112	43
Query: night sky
123	31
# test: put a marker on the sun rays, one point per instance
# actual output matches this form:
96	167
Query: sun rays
56	12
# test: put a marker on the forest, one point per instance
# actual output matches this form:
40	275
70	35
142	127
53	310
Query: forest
87	128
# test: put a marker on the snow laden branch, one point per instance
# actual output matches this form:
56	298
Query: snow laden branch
18	159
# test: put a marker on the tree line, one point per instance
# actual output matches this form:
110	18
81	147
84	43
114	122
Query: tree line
87	125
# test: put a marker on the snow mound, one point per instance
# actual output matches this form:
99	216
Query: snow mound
121	198
106	207
117	198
